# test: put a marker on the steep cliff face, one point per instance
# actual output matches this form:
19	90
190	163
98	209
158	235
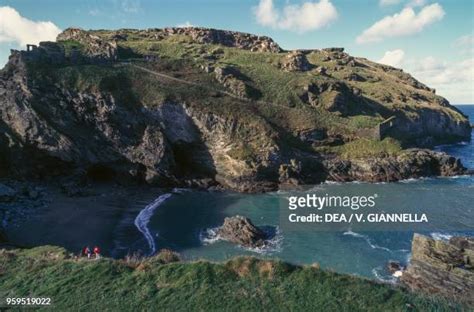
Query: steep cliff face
439	267
198	106
52	129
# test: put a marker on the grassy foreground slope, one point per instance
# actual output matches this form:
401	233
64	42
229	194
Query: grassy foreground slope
241	284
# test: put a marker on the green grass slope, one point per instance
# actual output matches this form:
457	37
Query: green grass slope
162	284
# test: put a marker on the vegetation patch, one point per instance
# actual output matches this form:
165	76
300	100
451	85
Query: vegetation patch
240	284
363	148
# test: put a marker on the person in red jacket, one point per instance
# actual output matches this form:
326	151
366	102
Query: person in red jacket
97	252
87	252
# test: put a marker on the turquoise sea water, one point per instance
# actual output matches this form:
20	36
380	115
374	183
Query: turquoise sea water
126	220
178	223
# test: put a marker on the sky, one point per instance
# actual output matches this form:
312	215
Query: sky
431	39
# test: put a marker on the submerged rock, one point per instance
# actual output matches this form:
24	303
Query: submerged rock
439	267
240	230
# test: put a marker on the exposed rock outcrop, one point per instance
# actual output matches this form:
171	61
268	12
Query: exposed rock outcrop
240	230
296	61
427	127
413	163
156	117
394	266
96	131
92	46
445	268
236	82
332	96
196	34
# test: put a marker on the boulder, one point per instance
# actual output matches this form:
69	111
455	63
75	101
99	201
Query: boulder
240	230
295	61
442	268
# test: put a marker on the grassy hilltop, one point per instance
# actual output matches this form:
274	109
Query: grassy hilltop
179	106
162	284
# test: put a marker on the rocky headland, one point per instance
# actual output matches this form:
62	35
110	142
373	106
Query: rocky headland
442	267
205	107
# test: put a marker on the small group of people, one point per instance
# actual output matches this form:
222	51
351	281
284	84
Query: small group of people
88	252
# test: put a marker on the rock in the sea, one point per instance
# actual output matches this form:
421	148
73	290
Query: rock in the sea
394	266
240	230
444	268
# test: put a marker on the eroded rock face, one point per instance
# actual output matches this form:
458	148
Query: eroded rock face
53	130
332	96
296	61
445	268
104	123
93	46
197	34
240	230
429	127
413	163
237	83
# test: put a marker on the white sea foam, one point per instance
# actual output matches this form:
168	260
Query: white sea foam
143	218
462	176
332	182
414	180
274	244
386	279
411	180
209	236
367	239
441	236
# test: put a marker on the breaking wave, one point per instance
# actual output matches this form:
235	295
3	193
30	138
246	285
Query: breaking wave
379	275
209	236
367	239
440	236
272	245
143	218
